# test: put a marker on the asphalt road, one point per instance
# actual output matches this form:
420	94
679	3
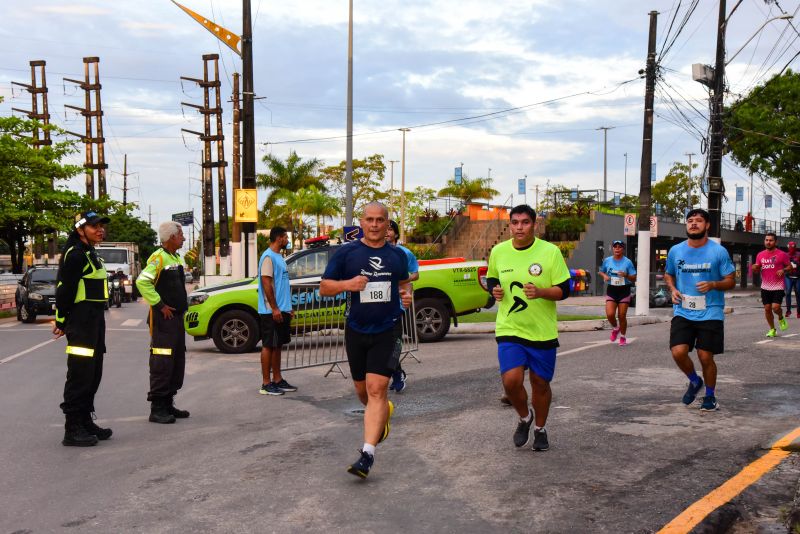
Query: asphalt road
626	455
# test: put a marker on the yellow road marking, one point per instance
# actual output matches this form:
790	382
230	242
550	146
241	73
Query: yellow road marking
698	511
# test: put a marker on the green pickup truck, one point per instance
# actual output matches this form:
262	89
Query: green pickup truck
228	313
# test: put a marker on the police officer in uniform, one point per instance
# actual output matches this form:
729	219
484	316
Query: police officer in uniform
162	284
81	295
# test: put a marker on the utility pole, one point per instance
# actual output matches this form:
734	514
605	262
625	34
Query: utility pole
537	196
716	187
349	150
236	177
689	203
489	175
643	253
208	164
150	215
40	137
391	185
625	190
605	159
403	189
91	139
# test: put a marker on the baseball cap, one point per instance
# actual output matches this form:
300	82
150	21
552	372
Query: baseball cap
395	228
617	242
90	217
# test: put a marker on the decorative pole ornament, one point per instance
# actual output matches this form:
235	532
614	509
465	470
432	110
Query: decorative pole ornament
226	36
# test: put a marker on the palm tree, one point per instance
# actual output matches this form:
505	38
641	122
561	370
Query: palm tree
468	190
291	175
320	204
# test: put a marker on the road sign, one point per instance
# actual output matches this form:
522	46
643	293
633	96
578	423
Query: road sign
185	218
630	224
245	203
653	173
521	186
653	226
457	178
739	194
351	233
768	204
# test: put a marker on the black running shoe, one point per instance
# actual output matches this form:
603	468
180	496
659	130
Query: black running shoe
540	442
522	433
285	386
691	392
362	466
710	404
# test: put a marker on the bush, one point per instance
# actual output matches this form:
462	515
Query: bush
565	228
424	252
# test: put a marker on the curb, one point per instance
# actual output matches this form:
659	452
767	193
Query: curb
563	326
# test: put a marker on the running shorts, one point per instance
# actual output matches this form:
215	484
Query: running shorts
541	361
275	335
373	353
618	294
772	297
703	335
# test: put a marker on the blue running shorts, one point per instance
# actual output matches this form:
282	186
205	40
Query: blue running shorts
541	361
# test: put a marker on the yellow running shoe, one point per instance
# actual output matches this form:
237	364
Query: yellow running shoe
782	324
388	426
771	333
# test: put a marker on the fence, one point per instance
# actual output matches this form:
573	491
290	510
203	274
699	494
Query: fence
318	331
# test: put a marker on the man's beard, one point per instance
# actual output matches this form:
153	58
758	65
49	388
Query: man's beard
698	235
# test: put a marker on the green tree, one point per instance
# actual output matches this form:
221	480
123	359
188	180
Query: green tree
762	133
417	202
125	227
292	175
470	189
368	185
672	192
32	201
319	204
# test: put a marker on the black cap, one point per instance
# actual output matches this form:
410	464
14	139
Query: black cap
395	228
90	217
617	242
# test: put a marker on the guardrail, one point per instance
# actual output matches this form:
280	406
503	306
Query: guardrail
318	331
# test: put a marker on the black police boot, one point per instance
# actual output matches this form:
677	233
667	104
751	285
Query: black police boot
176	412
75	434
101	433
159	413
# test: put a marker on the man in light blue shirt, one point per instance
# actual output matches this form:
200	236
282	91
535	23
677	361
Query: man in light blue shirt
274	311
392	235
698	272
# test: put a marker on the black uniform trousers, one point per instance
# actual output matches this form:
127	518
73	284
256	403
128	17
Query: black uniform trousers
85	328
167	355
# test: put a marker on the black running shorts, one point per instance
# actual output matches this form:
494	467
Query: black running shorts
373	353
703	335
772	297
275	335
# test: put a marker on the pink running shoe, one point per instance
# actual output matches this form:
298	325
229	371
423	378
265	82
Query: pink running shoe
614	334
622	341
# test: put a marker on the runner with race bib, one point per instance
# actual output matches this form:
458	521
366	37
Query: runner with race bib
698	272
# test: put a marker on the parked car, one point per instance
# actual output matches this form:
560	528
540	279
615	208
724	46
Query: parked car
36	294
228	313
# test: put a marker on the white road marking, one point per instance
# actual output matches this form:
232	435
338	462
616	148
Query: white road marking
132	322
789	335
593	345
26	351
764	341
7	325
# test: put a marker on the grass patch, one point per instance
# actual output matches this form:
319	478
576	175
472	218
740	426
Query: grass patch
6	313
489	317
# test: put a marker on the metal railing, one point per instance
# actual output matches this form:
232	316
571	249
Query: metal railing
318	331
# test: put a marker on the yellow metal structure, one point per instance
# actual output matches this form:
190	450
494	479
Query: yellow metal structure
223	34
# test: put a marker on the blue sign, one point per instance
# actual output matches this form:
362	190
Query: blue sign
521	186
616	199
768	204
574	194
351	233
457	179
739	194
653	173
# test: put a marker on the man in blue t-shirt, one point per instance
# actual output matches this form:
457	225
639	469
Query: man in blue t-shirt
619	273
275	312
698	272
399	378
372	271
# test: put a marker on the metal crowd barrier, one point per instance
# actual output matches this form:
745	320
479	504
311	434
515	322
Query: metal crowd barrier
318	331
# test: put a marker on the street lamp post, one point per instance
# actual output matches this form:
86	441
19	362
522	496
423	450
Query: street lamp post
348	209
391	186
403	189
605	159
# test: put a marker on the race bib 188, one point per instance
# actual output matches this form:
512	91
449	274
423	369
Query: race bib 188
376	292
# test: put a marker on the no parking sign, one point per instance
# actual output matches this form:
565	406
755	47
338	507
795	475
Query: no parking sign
630	224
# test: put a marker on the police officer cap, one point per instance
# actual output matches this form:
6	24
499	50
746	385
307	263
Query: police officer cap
90	217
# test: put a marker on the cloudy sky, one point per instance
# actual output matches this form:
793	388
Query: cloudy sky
563	65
